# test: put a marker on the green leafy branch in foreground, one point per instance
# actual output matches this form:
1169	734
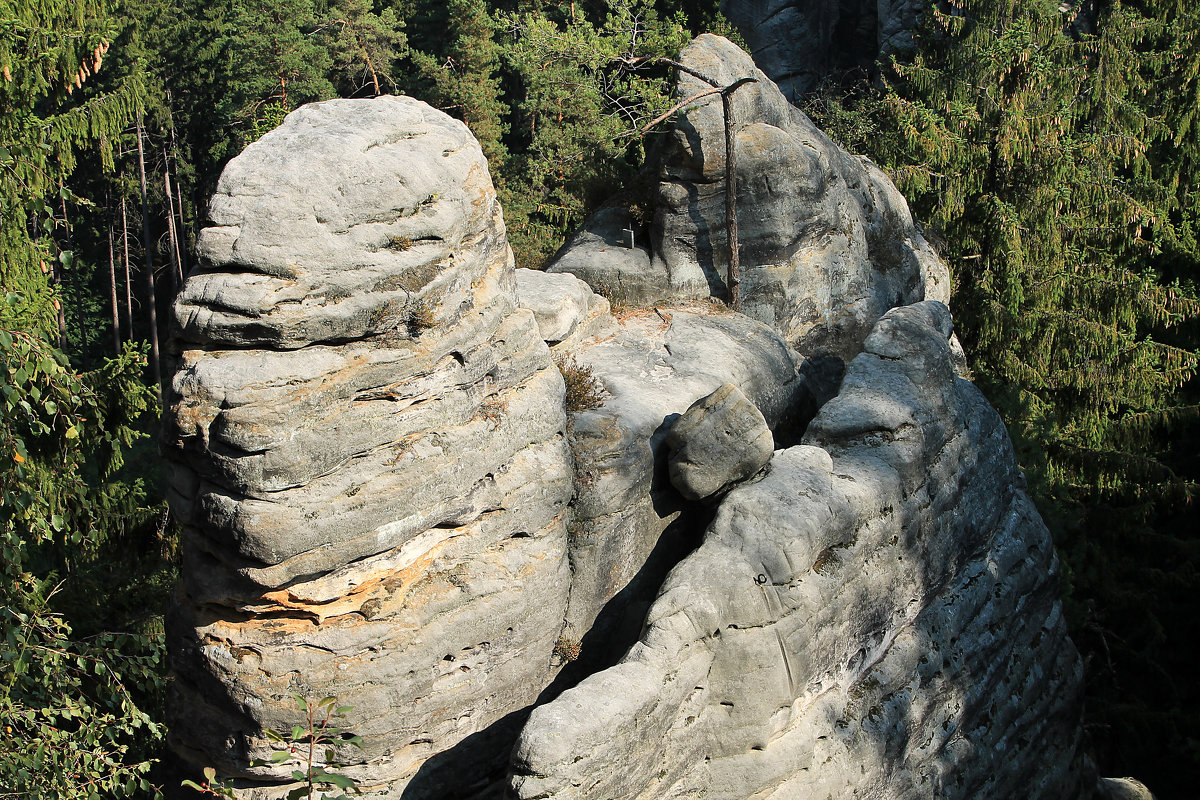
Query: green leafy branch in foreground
312	746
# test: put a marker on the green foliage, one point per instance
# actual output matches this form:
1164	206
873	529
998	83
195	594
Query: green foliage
311	747
1024	145
1053	158
465	80
73	724
584	94
268	63
363	46
75	721
48	51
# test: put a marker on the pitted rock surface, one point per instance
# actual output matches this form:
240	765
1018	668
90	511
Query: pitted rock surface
876	617
720	440
350	341
827	244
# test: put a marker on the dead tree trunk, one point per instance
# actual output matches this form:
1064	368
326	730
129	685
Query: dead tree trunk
112	286
180	227
150	287
172	249
734	280
128	285
733	276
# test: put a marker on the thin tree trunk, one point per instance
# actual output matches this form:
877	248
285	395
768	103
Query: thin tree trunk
112	286
128	284
151	289
56	268
77	280
734	275
734	278
172	249
731	222
180	245
181	224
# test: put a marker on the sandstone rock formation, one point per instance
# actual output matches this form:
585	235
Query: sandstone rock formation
628	523
365	438
566	309
385	499
720	440
876	617
827	244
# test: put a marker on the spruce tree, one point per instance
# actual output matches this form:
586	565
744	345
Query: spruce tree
74	727
1052	151
48	52
1022	143
584	93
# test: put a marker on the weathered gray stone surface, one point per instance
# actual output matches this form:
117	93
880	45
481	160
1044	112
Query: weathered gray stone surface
600	254
876	617
658	363
566	309
800	43
721	439
384	499
1123	789
827	244
366	446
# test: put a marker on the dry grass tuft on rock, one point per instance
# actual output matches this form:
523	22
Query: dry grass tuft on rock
399	243
584	392
567	649
419	316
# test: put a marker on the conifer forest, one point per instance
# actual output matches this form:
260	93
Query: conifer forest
1054	161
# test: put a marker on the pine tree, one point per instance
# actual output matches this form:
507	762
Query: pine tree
462	76
363	46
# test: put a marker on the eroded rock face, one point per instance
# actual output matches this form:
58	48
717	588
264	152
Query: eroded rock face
827	244
721	439
566	309
629	525
366	444
876	617
384	499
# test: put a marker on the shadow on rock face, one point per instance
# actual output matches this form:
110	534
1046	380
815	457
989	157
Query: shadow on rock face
875	616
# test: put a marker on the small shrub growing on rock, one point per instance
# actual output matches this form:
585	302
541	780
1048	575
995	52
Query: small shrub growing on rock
308	747
399	243
567	649
419	316
583	390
